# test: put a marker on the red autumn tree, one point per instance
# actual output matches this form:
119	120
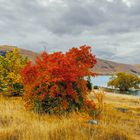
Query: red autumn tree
56	82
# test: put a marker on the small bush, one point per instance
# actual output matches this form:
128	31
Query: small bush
96	87
56	84
100	95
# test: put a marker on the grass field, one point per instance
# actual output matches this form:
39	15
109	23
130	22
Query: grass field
18	124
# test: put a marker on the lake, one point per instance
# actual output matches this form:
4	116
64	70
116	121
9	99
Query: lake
102	82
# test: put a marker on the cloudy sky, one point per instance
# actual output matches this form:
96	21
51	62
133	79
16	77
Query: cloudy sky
111	27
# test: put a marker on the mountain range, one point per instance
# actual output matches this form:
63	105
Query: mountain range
102	66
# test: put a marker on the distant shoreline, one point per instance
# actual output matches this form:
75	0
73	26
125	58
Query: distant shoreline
117	95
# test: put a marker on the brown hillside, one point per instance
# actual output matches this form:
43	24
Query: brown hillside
102	66
137	66
32	55
109	67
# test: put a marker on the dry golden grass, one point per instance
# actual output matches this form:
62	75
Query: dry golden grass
18	124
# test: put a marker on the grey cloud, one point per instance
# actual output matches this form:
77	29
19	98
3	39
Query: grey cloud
111	27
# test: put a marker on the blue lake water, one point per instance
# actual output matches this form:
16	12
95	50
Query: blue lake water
100	80
103	80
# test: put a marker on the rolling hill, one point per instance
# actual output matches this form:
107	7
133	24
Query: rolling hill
137	67
102	66
110	67
31	55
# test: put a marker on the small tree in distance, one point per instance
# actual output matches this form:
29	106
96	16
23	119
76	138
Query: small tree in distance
124	81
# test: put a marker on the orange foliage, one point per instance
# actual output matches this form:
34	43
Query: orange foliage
57	80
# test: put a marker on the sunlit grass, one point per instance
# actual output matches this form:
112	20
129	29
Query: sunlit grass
18	124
